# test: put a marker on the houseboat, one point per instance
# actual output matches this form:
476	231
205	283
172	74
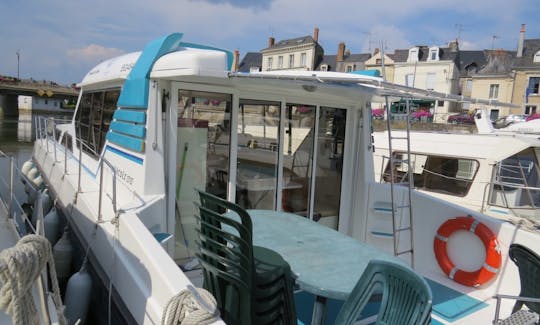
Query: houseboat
152	126
494	171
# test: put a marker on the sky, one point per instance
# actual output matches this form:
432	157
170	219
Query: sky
62	40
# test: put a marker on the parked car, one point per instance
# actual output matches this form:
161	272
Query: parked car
533	117
462	118
510	119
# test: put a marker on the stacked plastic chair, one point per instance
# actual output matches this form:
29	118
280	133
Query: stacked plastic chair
251	284
528	264
406	297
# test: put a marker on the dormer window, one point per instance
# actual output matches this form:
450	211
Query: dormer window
536	58
433	54
413	55
324	67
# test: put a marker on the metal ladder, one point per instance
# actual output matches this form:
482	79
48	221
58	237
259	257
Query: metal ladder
398	208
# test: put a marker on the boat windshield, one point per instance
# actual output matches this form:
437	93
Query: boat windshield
517	180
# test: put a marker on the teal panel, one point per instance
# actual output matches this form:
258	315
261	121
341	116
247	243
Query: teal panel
126	141
135	91
138	131
371	73
130	116
452	305
204	47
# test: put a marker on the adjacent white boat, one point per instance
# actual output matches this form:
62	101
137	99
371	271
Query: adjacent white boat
494	171
153	125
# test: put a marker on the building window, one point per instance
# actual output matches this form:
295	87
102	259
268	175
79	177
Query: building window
440	103
324	67
430	80
303	59
493	91
378	61
291	60
269	64
409	80
530	109
350	67
433	54
536	58
413	55
468	85
534	83
280	62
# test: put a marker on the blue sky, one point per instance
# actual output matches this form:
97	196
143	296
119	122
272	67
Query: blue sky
61	40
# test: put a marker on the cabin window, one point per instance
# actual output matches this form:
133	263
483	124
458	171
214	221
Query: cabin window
442	174
94	117
258	138
329	160
203	141
517	181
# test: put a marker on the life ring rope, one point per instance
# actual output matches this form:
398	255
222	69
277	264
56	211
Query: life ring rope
491	264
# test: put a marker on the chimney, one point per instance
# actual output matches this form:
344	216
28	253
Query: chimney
454	45
271	41
376	51
341	52
316	34
236	60
521	41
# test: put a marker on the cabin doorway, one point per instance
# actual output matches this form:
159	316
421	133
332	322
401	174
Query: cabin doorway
260	153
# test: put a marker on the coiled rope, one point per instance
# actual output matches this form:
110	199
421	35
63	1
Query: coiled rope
189	307
20	266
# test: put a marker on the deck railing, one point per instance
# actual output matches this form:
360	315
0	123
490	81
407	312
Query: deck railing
8	197
47	131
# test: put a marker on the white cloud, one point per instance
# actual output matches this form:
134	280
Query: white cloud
94	53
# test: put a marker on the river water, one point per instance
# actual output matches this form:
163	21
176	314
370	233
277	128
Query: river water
17	135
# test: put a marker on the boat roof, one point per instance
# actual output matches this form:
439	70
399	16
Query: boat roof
495	147
169	57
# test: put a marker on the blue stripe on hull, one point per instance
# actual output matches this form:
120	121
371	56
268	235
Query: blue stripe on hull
125	155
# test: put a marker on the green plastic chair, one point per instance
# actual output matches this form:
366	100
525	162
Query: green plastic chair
528	264
406	297
252	284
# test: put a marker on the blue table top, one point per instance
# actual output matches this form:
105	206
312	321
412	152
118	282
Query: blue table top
325	262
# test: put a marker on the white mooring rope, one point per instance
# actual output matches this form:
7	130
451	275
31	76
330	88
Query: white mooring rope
190	307
20	266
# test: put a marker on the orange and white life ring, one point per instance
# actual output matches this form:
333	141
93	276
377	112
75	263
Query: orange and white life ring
493	253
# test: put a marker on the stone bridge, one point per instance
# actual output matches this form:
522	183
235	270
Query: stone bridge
11	88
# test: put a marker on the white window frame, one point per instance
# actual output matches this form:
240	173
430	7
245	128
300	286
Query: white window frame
291	60
270	63
494	91
409	80
433	54
280	62
413	54
536	57
431	80
303	59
